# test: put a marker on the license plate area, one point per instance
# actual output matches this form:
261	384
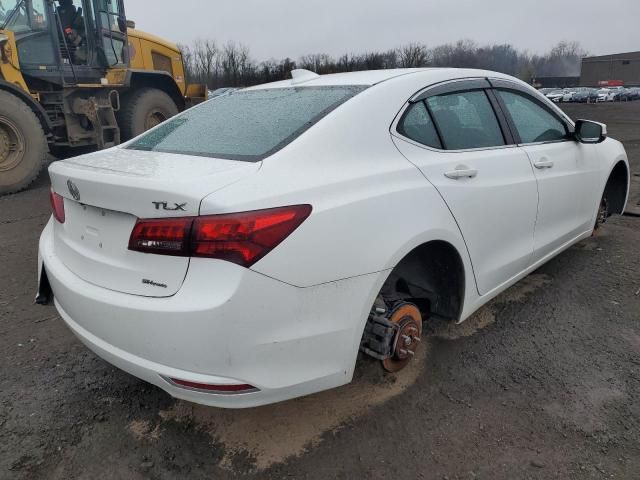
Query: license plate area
93	243
97	230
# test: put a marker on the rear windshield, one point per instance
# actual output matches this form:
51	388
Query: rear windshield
246	125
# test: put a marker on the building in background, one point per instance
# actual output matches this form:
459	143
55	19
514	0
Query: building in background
611	70
555	82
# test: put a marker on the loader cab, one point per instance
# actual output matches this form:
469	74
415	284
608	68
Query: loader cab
67	42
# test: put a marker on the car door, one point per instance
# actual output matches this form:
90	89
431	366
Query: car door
566	171
452	133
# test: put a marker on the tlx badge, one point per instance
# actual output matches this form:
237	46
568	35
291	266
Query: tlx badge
165	206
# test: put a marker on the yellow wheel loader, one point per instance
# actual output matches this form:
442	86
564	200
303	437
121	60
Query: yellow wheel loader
77	75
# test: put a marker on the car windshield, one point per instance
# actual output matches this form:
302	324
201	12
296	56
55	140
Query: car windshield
246	125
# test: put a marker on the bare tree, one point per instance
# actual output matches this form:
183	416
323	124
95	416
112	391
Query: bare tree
205	53
187	61
318	62
413	55
231	64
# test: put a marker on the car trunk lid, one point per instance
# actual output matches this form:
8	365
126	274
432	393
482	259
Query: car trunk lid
106	192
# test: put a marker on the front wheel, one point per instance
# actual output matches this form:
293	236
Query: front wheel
143	110
23	145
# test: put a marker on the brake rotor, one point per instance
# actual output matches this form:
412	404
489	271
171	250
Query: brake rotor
408	336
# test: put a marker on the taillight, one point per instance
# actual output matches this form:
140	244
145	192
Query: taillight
57	206
241	238
166	237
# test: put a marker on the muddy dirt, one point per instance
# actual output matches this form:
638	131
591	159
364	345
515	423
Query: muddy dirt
542	383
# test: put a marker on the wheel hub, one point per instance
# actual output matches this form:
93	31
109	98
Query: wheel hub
408	336
11	145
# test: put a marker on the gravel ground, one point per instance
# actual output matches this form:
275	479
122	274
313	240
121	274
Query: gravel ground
542	383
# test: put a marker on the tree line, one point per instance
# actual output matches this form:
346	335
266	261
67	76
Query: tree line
230	64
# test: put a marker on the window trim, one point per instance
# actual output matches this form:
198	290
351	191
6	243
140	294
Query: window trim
458	85
512	125
452	86
435	126
537	97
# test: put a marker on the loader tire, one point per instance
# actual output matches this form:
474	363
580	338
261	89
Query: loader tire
144	109
23	145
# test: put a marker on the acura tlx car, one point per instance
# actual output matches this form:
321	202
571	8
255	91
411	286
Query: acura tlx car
246	251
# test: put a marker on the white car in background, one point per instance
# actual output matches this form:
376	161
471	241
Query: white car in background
556	96
606	95
245	251
567	97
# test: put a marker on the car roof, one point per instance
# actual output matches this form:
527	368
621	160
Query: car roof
373	77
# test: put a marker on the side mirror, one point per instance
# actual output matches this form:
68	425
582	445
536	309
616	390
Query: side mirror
122	24
590	132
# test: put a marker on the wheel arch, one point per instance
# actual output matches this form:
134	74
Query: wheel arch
464	281
156	79
616	189
37	109
433	275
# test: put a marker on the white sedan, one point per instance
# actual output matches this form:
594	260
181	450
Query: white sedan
556	96
606	95
247	250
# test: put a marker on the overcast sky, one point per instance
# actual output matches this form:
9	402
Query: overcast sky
281	28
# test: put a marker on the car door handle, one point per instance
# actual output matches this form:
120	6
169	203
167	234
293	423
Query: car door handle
544	163
461	172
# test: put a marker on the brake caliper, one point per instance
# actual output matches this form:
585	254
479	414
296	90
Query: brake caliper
392	335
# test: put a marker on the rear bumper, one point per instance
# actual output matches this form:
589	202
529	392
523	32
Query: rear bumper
226	325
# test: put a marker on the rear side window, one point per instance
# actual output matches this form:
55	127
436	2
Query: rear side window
466	120
534	123
417	125
246	125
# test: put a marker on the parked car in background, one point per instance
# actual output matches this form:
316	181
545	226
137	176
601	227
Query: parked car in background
629	94
555	95
618	93
568	95
585	95
245	251
606	95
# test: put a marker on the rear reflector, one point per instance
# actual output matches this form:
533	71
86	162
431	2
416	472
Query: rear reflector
57	206
241	388
241	238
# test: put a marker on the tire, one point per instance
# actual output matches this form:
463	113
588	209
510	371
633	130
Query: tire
144	109
23	144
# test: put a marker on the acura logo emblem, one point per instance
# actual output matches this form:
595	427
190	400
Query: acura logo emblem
73	190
